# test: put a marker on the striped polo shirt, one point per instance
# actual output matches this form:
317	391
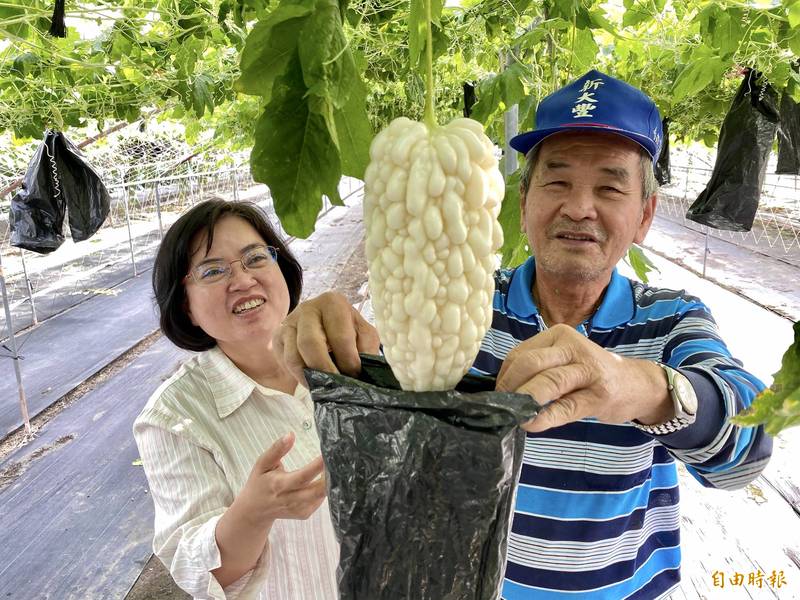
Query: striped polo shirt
596	513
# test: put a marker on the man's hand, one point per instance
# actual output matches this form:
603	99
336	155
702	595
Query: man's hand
321	325
573	378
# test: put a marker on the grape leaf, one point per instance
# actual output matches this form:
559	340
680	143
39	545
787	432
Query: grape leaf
778	406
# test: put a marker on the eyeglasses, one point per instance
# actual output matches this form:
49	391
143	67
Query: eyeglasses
214	271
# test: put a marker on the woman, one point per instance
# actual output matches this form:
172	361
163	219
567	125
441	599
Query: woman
231	519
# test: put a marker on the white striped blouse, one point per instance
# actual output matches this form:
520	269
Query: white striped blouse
198	436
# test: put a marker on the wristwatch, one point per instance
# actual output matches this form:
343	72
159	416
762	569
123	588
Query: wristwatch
684	400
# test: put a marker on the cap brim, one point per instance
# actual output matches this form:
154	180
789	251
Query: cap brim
524	142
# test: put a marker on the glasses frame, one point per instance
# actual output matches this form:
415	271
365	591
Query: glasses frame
271	250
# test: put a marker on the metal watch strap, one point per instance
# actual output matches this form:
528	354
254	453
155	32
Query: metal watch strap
674	424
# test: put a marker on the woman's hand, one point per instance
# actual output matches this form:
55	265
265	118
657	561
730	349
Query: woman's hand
271	492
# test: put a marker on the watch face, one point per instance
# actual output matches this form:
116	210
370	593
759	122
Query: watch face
685	393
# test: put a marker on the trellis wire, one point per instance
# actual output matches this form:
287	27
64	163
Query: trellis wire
776	228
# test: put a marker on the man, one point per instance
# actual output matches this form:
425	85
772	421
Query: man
632	377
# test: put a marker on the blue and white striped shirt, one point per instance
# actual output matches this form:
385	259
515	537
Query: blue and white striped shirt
596	513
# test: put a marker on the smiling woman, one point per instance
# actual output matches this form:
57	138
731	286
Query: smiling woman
228	442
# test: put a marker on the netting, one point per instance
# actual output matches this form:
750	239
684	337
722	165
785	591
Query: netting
776	229
151	180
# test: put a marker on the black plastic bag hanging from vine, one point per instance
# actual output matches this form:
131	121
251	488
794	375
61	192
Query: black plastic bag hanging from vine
789	137
58	181
420	484
730	200
661	168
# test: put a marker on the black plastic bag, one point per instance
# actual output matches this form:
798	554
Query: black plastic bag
420	484
730	199
661	168
789	137
58	180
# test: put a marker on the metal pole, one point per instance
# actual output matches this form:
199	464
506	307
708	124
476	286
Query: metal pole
235	184
23	404
511	123
34	318
705	254
158	212
191	185
130	235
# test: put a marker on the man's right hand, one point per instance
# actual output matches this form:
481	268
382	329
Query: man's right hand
316	327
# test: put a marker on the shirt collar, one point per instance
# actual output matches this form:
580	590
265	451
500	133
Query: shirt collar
229	386
616	308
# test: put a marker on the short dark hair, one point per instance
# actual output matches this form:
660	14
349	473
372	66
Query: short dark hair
173	259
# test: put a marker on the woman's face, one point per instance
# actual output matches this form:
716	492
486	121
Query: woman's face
218	308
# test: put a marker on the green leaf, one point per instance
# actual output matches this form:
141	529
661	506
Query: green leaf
202	95
26	63
793	12
328	67
564	8
530	40
586	50
521	5
728	32
703	68
779	75
417	26
436	11
640	263
598	19
514	241
503	90
294	155
14	9
635	15
778	407
269	47
354	132
794	42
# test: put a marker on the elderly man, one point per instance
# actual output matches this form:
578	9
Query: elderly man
633	377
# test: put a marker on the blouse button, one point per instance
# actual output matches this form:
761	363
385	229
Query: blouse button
307	424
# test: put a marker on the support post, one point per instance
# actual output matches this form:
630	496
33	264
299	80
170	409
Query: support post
130	235
34	318
158	212
23	403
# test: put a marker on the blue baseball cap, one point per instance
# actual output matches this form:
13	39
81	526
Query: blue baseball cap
597	102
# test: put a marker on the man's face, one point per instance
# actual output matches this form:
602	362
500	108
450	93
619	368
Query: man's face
584	205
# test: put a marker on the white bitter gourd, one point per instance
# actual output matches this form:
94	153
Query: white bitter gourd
431	204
